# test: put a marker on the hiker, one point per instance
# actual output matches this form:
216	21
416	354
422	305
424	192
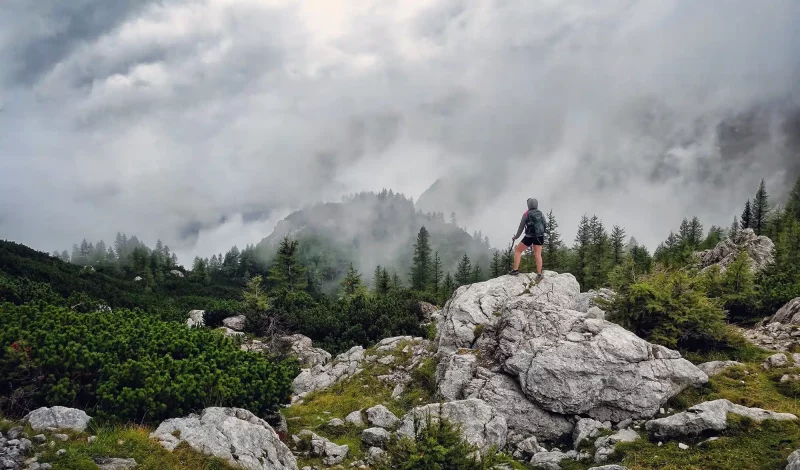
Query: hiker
534	225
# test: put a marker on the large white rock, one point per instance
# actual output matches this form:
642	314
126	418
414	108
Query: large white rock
789	313
381	417
717	367
302	347
759	248
480	424
564	362
331	453
708	416
196	318
320	376
793	462
232	434
235	323
57	418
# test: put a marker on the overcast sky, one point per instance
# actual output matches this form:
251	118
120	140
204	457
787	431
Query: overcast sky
203	122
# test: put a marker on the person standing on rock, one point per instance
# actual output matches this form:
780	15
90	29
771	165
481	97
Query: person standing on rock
534	224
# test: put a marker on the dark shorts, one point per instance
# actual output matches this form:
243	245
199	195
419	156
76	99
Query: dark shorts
532	240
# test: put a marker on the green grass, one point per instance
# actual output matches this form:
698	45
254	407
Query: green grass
122	442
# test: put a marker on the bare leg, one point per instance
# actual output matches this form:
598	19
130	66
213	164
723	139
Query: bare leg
517	254
537	252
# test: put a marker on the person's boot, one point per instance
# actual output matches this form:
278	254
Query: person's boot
513	272
539	278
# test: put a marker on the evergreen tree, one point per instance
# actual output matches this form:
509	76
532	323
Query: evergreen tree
496	267
448	286
436	272
582	242
463	271
121	246
76	255
747	216
617	245
65	256
734	231
685	233
551	252
695	233
477	273
507	259
597	267
760	209
149	280
286	271
453	218
397	283
351	285
642	261
421	265
376	279
793	204
385	283
715	235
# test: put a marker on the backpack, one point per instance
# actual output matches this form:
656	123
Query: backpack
535	225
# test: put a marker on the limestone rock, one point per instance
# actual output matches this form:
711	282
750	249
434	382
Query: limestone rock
381	417
427	310
793	462
564	362
196	318
504	395
586	428
605	445
776	360
456	373
302	347
320	376
109	463
330	452
355	419
235	323
707	416
548	460
759	248
609	467
375	437
59	418
375	455
232	434
176	273
585	301
717	367
788	314
479	422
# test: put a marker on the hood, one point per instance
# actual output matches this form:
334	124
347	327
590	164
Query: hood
533	203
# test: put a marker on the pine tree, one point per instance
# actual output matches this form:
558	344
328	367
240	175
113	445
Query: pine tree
793	204
496	266
551	252
286	271
507	259
464	271
65	256
477	273
582	241
760	209
376	279
436	272
715	235
351	285
685	233
734	231
386	282
149	280
397	283
695	233
747	216
597	268
617	245
421	265
448	286
121	246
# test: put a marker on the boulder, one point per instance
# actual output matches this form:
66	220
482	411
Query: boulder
196	318
605	445
707	416
331	453
235	323
457	372
176	273
548	460
232	434
480	424
759	248
111	463
375	455
717	367
302	347
527	448
793	462
609	467
320	376
564	362
522	416
427	310
355	419
138	279
381	417
587	428
57	418
776	360
788	314
375	437
585	301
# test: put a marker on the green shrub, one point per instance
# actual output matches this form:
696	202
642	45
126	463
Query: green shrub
671	308
440	446
129	365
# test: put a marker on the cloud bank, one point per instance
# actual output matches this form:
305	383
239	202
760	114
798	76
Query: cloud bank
202	122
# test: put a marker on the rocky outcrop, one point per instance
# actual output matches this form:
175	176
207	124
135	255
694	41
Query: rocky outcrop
196	318
774	336
776	360
717	367
427	309
707	416
585	301
235	323
355	419
176	273
788	314
320	376
375	437
232	434
381	417
793	462
331	453
302	347
57	418
605	445
587	428
113	463
759	248
564	362
15	449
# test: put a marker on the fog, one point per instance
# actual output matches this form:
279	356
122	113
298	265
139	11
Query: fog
204	122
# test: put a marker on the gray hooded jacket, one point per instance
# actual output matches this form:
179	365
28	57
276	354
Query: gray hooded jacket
533	205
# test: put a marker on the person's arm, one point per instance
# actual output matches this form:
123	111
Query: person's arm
521	227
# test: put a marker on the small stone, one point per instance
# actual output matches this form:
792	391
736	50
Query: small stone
31	460
25	444
34	466
14	432
45	466
40	438
660	443
355	419
91	439
661	410
61	452
375	437
61	437
624	424
336	423
115	463
13	443
683	446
